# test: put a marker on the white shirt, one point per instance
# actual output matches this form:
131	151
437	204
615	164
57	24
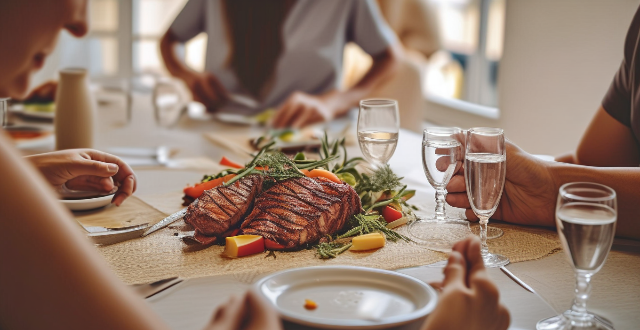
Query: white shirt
314	35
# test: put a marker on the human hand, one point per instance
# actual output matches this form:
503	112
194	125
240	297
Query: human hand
302	109
248	312
87	170
43	93
467	289
529	191
206	89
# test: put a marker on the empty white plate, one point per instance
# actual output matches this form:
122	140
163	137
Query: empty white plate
87	203
348	297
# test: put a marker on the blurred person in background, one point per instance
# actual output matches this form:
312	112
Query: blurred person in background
62	282
609	154
285	54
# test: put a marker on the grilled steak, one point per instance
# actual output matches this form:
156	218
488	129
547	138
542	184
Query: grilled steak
220	209
300	211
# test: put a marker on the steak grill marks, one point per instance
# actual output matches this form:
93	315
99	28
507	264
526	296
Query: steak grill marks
221	208
301	210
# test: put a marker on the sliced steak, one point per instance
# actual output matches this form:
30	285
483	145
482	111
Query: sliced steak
300	211
220	209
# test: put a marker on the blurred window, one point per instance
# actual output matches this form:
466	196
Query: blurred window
472	34
124	36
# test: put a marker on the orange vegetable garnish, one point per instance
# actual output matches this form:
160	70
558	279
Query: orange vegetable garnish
318	172
226	162
310	304
198	189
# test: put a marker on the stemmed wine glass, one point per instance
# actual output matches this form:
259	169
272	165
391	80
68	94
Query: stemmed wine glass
442	156
378	127
485	167
586	216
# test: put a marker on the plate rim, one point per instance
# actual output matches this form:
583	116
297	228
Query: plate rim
410	317
70	203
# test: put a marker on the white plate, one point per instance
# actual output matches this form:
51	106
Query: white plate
87	204
348	297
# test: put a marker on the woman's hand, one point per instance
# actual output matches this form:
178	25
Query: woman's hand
467	290
206	89
302	109
245	313
87	170
529	191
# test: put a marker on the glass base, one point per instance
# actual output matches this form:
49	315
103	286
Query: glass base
492	232
566	321
495	260
439	235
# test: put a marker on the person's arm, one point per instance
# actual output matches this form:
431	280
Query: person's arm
302	109
204	86
532	185
51	273
605	143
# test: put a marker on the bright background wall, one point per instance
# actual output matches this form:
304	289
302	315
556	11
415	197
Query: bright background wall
559	59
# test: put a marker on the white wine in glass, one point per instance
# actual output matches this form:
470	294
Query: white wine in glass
378	127
485	168
586	216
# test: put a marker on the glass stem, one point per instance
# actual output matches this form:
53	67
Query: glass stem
484	248
583	290
441	195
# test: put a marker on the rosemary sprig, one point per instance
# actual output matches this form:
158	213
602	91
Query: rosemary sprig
366	224
330	250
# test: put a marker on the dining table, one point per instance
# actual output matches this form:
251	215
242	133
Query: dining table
193	147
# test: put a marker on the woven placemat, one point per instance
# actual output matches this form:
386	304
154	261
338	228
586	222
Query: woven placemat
162	254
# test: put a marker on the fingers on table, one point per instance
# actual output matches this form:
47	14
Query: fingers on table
287	114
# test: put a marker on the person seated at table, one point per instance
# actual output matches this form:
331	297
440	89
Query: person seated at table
609	153
286	54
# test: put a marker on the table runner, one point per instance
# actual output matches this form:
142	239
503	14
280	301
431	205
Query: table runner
163	255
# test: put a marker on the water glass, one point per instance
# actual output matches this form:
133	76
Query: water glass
586	216
4	112
378	127
442	157
485	166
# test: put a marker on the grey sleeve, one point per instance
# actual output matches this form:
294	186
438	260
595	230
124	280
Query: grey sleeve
367	27
190	22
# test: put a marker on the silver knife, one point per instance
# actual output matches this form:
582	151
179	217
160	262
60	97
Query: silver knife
166	221
516	279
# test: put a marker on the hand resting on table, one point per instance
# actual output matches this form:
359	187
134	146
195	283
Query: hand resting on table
86	170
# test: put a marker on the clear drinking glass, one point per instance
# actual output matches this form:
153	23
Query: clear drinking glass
586	216
485	167
378	127
442	157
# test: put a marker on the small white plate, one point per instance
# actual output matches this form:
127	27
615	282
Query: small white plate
348	297
88	203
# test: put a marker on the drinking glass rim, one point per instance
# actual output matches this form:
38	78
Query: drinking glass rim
437	130
563	192
486	131
374	103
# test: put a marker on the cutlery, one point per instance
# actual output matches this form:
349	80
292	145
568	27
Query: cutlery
516	279
166	221
115	235
148	290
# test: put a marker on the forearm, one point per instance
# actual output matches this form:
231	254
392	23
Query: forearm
52	270
384	66
624	180
174	65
